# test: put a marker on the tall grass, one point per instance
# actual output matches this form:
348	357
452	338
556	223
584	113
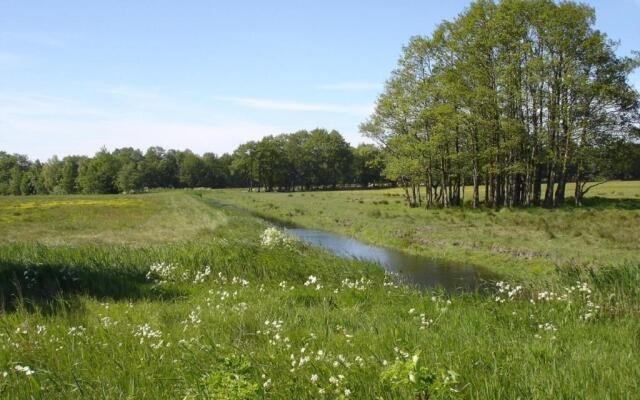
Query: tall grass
227	316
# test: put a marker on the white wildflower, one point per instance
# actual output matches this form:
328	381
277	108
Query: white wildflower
76	331
161	272
24	369
273	237
202	275
311	280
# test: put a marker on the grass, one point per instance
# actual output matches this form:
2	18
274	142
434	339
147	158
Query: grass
519	243
154	217
86	316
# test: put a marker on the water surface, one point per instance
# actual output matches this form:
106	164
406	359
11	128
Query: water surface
417	270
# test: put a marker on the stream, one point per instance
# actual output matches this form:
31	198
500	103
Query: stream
415	270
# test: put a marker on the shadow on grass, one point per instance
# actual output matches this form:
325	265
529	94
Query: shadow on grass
269	218
588	203
608	203
45	286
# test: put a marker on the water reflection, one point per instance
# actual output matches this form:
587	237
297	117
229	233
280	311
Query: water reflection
416	270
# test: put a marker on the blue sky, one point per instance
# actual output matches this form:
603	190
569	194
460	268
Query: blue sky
208	75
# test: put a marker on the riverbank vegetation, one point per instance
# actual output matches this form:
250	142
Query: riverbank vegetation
521	242
230	311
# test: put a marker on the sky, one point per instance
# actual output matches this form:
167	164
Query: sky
209	75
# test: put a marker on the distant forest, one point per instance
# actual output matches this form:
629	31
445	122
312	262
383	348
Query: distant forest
304	160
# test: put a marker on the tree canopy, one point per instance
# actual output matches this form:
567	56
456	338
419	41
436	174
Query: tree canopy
512	95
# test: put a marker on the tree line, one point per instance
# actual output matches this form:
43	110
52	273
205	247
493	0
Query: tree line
308	160
517	97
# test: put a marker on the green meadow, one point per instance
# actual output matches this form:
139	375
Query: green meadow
523	243
194	295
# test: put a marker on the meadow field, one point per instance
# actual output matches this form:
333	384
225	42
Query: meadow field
523	243
175	294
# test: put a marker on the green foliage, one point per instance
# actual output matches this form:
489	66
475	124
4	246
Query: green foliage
368	164
192	170
412	376
230	380
512	95
98	174
301	160
129	178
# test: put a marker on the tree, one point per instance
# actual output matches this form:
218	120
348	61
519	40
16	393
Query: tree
216	171
330	156
15	181
33	182
69	173
52	174
129	178
368	164
192	170
11	168
270	164
242	164
98	174
512	95
169	169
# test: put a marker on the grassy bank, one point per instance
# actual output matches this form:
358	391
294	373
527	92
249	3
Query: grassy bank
519	243
218	310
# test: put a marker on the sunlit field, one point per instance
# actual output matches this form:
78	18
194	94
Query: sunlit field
171	295
523	243
155	217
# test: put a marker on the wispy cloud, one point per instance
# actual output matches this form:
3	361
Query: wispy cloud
352	86
36	38
133	94
41	126
146	100
10	60
295	106
36	106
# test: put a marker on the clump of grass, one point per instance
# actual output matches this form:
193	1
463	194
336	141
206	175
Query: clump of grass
547	229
